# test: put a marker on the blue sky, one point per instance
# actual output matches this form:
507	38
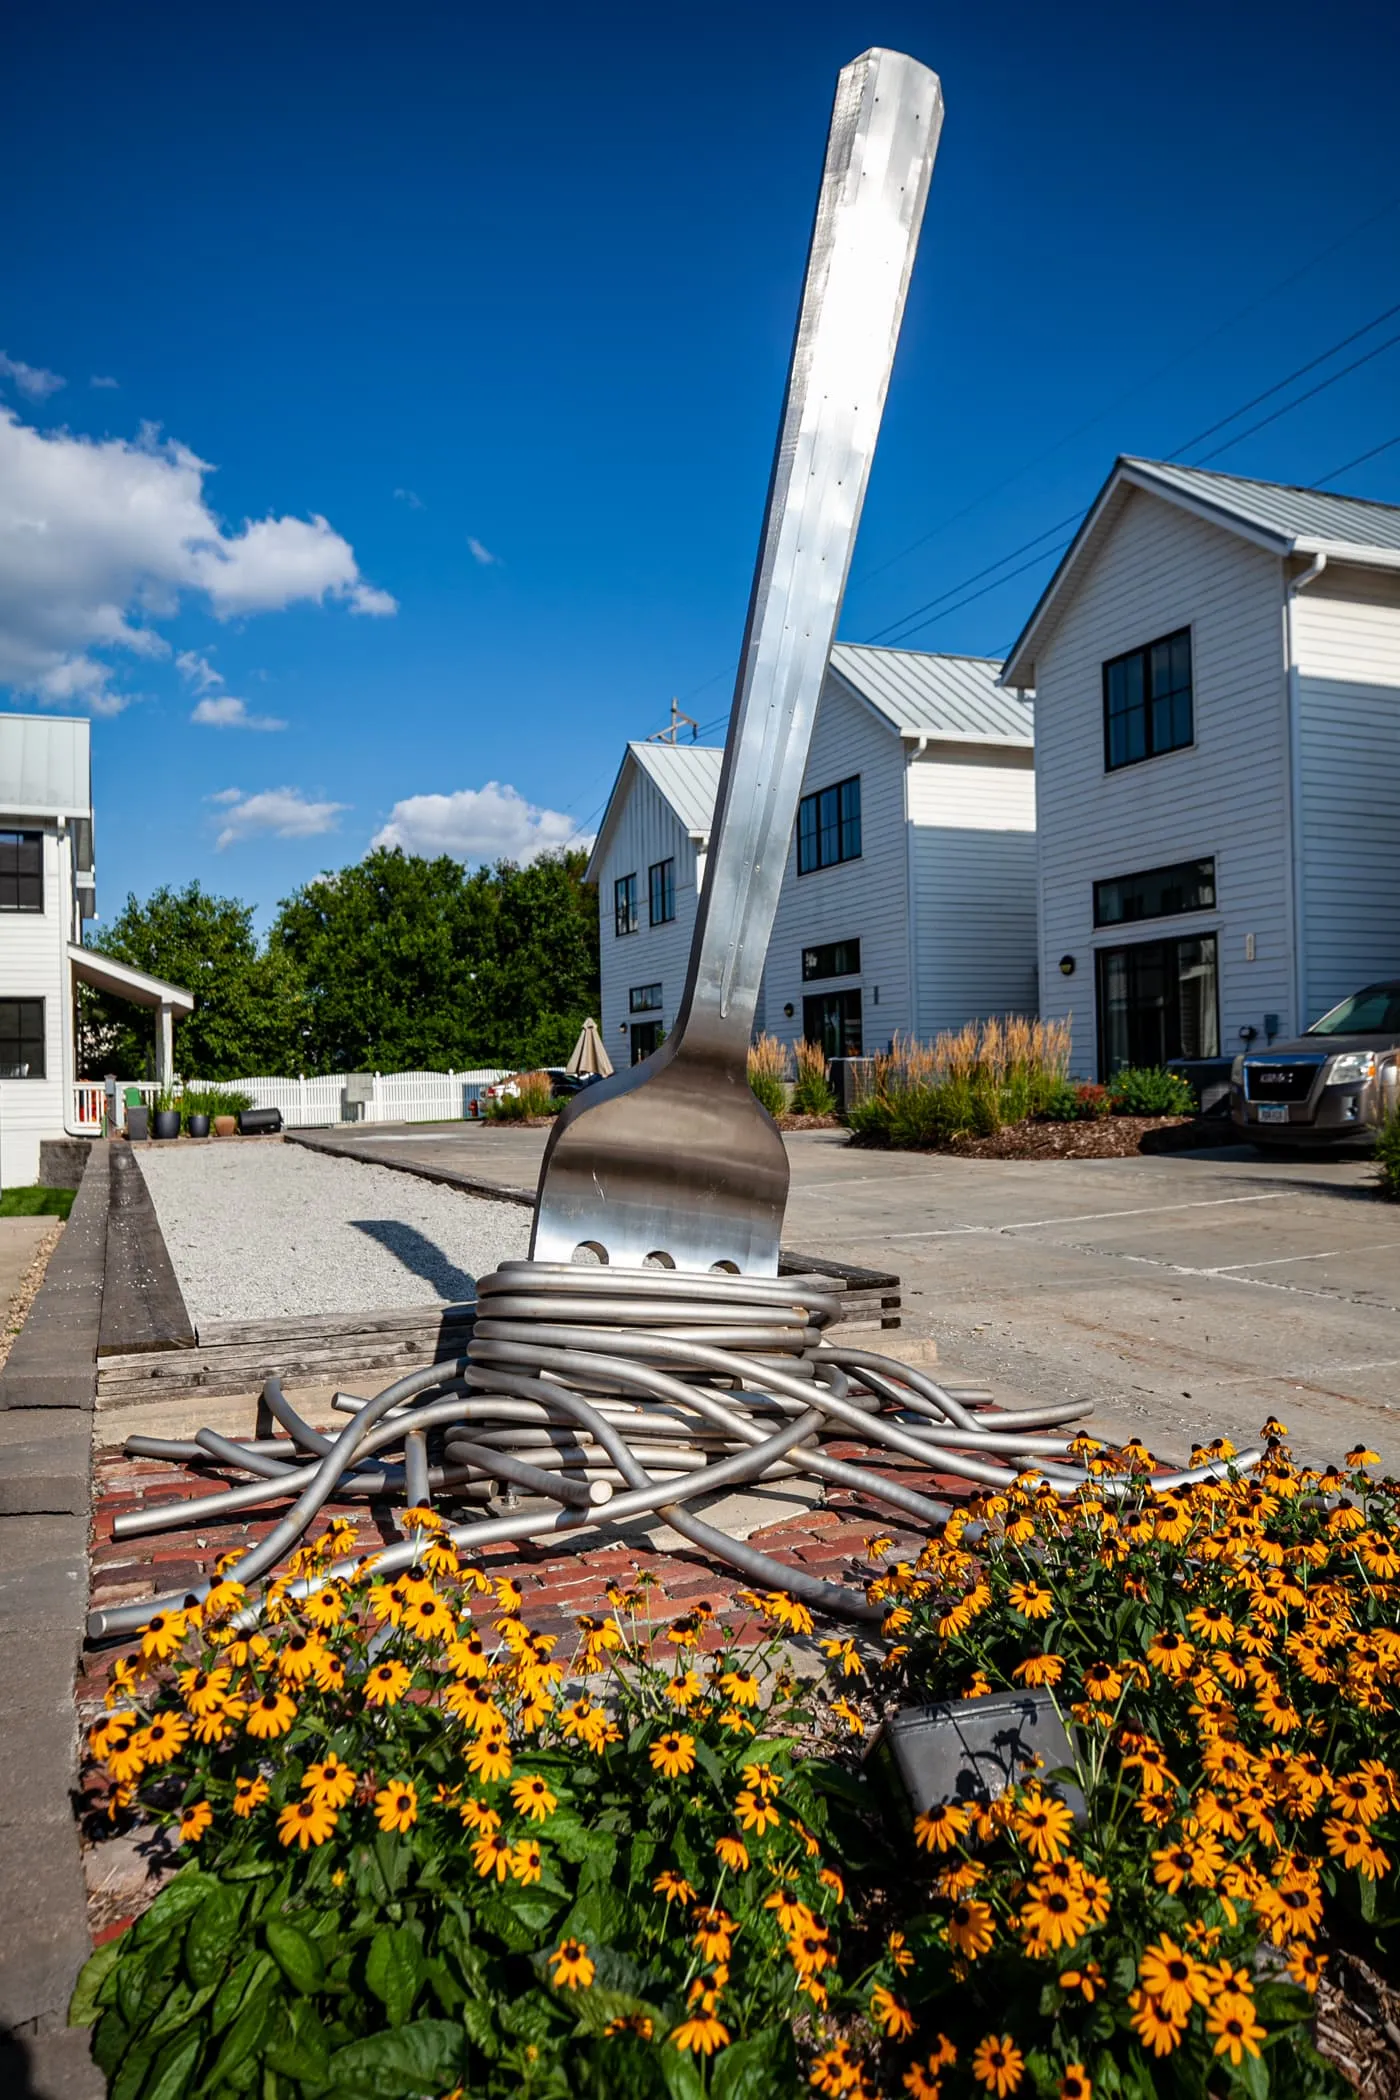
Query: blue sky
506	301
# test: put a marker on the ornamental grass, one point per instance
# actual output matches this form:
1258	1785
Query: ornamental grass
427	1853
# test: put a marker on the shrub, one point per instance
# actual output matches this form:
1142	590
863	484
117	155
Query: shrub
813	1094
1388	1155
966	1083
768	1070
1150	1090
533	1096
213	1101
1066	1101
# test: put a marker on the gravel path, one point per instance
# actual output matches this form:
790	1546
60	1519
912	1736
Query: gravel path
259	1231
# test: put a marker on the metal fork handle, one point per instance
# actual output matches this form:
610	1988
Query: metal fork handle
884	134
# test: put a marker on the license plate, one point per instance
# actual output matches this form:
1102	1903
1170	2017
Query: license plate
1273	1115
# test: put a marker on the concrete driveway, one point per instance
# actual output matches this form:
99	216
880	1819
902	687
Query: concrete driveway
1188	1296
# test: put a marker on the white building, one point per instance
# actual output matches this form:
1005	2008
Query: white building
1216	668
47	891
908	903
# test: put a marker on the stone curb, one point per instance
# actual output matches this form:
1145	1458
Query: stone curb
47	1391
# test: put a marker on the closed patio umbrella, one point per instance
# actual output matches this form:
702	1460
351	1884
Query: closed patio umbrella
588	1053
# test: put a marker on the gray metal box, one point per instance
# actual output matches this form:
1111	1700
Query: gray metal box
972	1749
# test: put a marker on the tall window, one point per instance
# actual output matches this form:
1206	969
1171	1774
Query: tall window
831	959
1147	701
1157	1000
1155	893
21	871
644	999
661	879
625	904
21	1039
828	826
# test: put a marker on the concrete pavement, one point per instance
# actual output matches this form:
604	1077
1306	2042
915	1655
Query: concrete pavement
1188	1295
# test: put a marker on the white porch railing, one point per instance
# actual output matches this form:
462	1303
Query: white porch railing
89	1107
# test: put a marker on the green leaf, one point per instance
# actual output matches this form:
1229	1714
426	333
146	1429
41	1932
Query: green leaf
245	2037
682	2076
83	2006
298	1957
755	2069
710	1764
394	1971
304	2051
172	1906
173	2068
234	1989
1369	1890
424	2057
212	1935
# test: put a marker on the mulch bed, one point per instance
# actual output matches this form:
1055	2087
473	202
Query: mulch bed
1106	1137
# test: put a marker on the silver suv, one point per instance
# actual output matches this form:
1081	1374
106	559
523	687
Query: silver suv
1337	1082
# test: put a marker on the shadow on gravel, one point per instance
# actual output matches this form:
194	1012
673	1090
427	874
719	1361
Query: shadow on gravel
420	1255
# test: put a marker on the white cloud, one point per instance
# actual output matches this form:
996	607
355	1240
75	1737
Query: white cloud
222	711
32	380
100	379
284	811
196	670
100	538
477	824
482	554
410	497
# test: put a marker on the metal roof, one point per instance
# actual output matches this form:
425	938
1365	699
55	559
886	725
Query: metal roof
955	699
1287	521
1289	514
688	776
45	766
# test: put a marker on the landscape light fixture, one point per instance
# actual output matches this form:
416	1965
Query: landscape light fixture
1066	966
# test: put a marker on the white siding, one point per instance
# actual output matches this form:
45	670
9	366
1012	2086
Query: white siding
1226	795
33	963
1347	640
973	886
865	899
648	831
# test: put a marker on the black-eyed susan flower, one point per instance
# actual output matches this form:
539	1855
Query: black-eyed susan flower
526	1861
467	1656
1174	1978
1075	2083
755	1812
249	1793
1088	1980
971	1927
491	1854
733	1854
305	1823
714	1931
1171	1653
489	1757
396	1805
941	1827
702	2034
674	1887
476	1815
673	1755
271	1715
640	2024
998	2064
163	1634
1031	1599
531	1797
194	1821
831	1879
782	1610
1305	1966
204	1691
891	2014
161	1739
1043	1824
1054	1918
573	1968
1153	2024
1233	2027
386	1683
1102	1681
330	1781
1040	1670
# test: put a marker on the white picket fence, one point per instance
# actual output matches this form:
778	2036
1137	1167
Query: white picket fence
395	1097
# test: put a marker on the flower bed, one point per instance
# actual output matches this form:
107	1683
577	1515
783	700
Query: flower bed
428	1853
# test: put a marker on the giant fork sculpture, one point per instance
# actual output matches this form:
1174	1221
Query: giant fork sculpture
648	1345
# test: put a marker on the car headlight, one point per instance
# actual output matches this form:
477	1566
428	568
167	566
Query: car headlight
1351	1068
1237	1071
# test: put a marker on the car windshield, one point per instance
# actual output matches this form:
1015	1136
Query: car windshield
1376	1011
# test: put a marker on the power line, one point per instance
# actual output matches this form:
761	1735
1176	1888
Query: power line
1360	460
1278	386
1161	372
1297	402
976	577
1046	555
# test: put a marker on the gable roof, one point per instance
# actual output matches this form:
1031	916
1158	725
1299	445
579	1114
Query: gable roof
45	766
1270	514
686	775
954	699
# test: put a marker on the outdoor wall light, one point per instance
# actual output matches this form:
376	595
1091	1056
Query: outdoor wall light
1066	966
788	1009
623	1026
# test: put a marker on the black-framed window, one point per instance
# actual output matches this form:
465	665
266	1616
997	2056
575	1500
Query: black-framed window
625	904
828	826
661	882
1147	701
21	871
644	999
1157	1000
1155	893
646	1037
831	959
833	1019
21	1039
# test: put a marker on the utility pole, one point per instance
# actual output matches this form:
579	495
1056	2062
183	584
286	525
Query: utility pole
671	735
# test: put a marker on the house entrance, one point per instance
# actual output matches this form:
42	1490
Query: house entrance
1157	1000
646	1037
833	1020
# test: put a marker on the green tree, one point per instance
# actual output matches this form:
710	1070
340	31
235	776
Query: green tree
249	1013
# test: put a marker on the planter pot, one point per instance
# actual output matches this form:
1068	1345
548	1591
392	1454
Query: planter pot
197	1126
166	1123
225	1126
138	1126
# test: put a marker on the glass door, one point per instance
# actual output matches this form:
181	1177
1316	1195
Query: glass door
833	1020
1157	1000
